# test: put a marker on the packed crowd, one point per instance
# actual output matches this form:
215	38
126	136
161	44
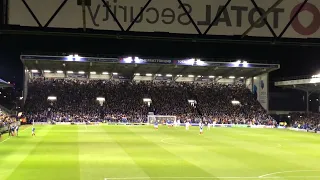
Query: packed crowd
5	119
76	101
306	121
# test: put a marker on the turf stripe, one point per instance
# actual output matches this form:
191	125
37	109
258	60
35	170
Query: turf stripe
101	156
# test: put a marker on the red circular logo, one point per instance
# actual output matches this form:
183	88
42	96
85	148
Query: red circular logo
315	24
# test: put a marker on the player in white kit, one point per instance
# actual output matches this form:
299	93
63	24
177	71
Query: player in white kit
201	128
209	125
187	125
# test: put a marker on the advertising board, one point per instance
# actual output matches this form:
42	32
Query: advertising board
260	90
169	16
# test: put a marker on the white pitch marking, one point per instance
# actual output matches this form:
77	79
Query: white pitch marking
10	136
282	172
250	177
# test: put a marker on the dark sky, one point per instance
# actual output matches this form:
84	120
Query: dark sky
294	60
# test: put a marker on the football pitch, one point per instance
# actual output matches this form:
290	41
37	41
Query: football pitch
66	152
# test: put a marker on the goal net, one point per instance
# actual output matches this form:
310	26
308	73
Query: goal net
161	119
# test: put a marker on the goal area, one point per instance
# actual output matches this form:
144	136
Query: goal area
161	119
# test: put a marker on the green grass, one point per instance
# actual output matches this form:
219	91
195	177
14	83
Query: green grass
140	152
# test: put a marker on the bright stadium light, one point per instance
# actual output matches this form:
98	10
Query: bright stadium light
190	76
137	74
70	58
77	57
34	71
101	99
81	72
149	74
241	77
59	72
199	76
52	98
245	64
231	77
128	60
47	71
201	63
316	76
105	73
93	72
211	76
159	75
69	72
146	100
169	75
179	75
235	102
115	73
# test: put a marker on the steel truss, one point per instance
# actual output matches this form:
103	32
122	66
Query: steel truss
125	33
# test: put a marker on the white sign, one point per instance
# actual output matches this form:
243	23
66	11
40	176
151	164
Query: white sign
169	16
260	90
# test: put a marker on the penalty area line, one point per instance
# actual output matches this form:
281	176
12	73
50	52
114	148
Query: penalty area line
213	177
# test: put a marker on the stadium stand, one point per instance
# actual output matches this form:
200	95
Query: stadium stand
306	120
76	101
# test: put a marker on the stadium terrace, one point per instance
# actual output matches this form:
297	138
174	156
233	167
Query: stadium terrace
76	88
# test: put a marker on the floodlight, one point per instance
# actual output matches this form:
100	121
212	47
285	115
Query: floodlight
190	76
105	73
191	101
241	77
169	75
235	102
245	64
148	74
101	99
159	75
189	61
20	98
81	72
231	77
179	75
47	71
115	73
127	60
69	72
146	100
138	60
289	116
211	76
70	58
59	72
201	63
199	76
137	74
316	76
34	71
77	57
93	72
52	98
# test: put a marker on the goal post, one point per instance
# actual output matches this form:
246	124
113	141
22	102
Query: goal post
161	119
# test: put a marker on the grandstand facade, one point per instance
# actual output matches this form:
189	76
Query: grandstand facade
74	84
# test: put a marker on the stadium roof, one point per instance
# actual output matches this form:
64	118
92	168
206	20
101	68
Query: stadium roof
306	83
4	84
132	65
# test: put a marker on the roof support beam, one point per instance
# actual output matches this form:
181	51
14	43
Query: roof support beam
264	19
261	18
55	13
113	15
140	13
190	18
292	19
217	17
32	13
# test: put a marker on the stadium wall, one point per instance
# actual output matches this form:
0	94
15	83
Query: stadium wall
261	90
169	16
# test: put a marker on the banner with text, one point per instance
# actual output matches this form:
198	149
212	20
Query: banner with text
169	16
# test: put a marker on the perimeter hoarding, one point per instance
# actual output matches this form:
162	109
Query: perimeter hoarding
169	16
261	90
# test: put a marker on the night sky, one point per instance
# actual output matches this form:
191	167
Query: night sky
294	60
